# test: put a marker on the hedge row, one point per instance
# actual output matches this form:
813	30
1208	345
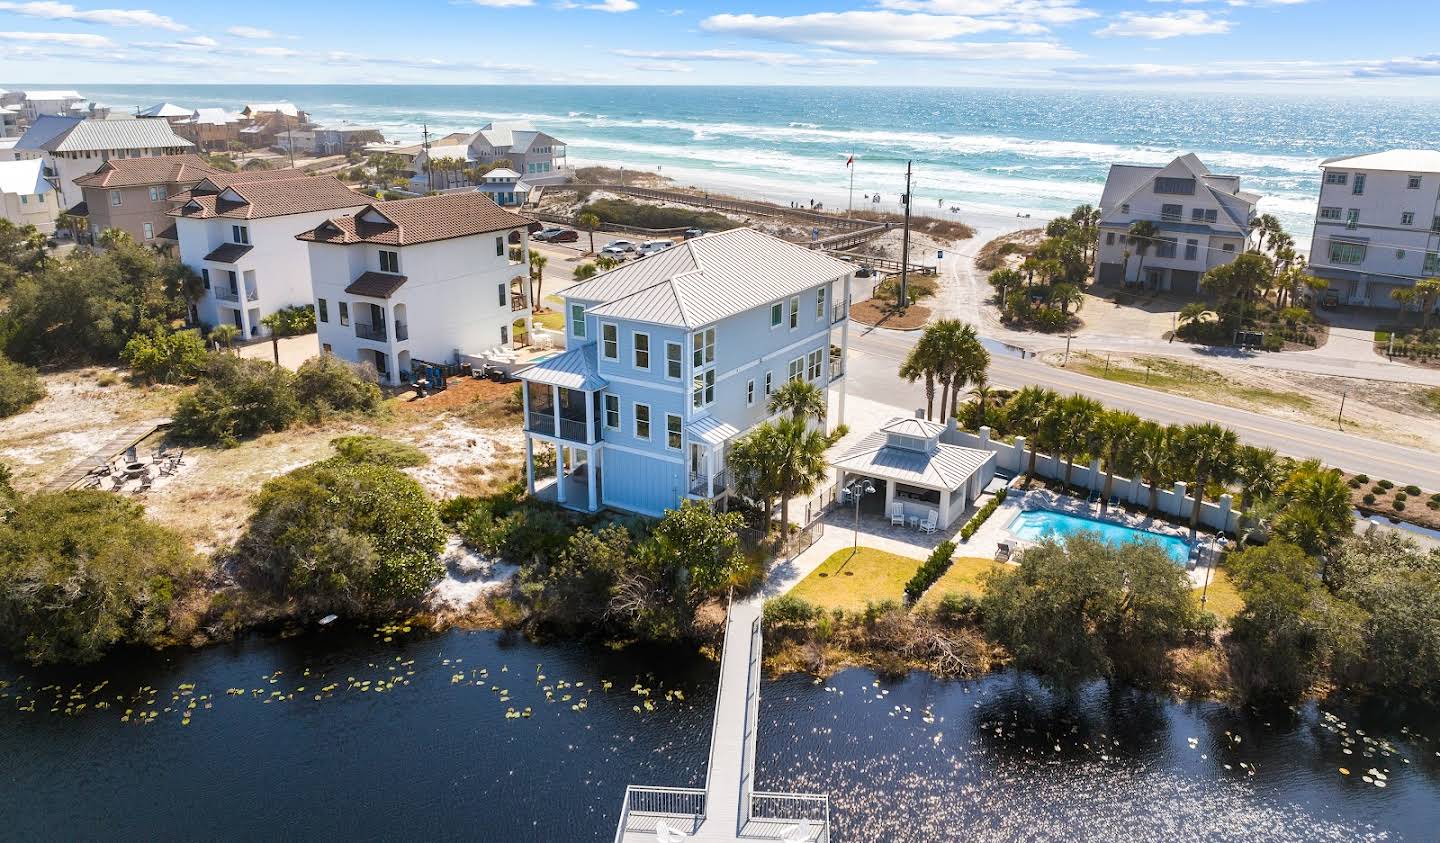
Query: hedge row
934	568
979	518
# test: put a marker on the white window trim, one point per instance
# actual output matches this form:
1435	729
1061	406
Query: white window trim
679	360
577	326
649	422
605	412
1407	218
750	392
635	351
681	420
769	383
820	303
792	369
794	312
775	323
616	328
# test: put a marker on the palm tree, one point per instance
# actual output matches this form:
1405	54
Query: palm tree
802	399
537	278
1154	457
1206	452
1258	470
224	334
589	223
1318	513
923	361
274	322
980	391
1142	234
1115	435
1026	411
958	359
605	263
1067	295
754	462
1406	296
1428	291
802	462
1088	216
1067	427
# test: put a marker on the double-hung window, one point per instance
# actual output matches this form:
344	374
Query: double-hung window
1358	186
240	234
390	262
750	393
642	421
1407	218
812	366
673	351
1337	178
794	312
149	229
777	314
612	412
1412	183
577	320
769	382
322	310
1192	249
702	382
1171	213
1346	253
820	305
609	341
640	346
672	431
702	344
797	369
702	390
1330	213
115	199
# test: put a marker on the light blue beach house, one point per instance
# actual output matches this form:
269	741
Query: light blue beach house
672	357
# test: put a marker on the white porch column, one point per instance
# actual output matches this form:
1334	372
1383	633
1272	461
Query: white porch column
529	465
559	472
589	417
844	355
889	496
590	466
555	409
244	314
525	403
710	472
945	508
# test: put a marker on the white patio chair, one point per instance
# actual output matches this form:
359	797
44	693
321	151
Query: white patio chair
665	834
929	524
796	833
897	514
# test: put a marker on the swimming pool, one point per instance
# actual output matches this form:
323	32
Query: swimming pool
1036	524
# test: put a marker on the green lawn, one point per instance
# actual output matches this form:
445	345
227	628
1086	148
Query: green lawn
1221	599
848	580
964	577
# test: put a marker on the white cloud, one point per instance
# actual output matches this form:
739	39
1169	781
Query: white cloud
499	4
1166	25
67	39
109	17
1055	12
251	32
199	41
1265	71
602	6
844	30
751	56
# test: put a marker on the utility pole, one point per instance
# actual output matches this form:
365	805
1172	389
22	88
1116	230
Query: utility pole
1340	420
850	165
290	141
904	300
425	145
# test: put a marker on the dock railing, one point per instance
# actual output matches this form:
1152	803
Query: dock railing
682	808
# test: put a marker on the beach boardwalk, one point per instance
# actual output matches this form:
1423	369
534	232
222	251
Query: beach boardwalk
728	808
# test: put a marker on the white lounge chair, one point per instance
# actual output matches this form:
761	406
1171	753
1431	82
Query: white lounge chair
797	833
665	834
897	514
929	524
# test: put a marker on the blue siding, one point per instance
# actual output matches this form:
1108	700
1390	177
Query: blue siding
643	484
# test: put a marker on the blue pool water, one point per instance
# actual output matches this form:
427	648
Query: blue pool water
1037	524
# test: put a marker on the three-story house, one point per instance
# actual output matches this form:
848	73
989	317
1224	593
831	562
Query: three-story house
416	280
674	356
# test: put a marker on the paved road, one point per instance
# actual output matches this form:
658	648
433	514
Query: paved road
875	356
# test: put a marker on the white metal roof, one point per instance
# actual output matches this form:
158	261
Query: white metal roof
165	109
947	467
52	95
214	116
711	431
914	427
575	369
286	108
71	134
709	278
1404	160
23	177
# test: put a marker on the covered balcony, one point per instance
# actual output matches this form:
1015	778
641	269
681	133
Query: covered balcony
561	397
708	476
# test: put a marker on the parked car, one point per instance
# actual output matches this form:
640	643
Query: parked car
653	246
692	233
1330	300
864	272
621	245
556	235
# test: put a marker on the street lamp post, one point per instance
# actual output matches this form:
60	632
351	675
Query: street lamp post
857	490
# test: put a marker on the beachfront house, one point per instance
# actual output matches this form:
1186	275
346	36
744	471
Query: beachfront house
339	139
36	104
237	231
507	187
671	357
1203	220
418	280
168	111
211	129
266	121
9	122
448	163
133	195
1377	225
72	147
26	196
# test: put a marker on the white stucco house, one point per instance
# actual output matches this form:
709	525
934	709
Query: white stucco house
418	280
1203	220
672	357
237	230
26	196
1377	224
537	157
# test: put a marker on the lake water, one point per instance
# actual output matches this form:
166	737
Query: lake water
918	759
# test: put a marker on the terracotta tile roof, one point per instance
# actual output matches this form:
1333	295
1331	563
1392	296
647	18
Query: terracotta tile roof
169	233
138	172
227	252
80	209
376	285
249	199
405	222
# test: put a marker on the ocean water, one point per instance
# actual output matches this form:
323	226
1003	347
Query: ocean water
988	151
1037	524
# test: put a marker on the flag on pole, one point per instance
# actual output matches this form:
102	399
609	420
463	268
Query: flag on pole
850	160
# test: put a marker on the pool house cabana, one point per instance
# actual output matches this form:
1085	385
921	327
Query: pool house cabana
920	473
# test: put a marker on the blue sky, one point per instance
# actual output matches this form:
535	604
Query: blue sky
1320	46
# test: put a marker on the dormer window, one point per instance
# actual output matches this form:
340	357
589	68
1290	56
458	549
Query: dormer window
389	261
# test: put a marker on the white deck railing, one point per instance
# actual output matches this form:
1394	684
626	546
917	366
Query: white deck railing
682	808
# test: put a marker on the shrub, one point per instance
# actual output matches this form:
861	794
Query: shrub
1363	478
957	609
81	571
1369	499
20	386
326	385
1377	490
339	536
585	270
932	570
236	399
165	355
1354	482
1401	496
1385	484
789	612
1050	319
980	517
1397	505
1412	490
375	450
